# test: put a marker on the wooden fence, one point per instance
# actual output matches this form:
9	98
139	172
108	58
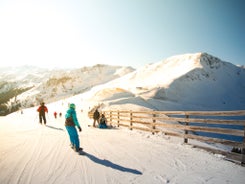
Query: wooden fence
223	127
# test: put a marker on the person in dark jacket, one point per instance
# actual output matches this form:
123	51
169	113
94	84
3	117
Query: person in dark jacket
96	117
103	122
42	109
70	124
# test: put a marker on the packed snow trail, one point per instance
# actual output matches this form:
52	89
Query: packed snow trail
35	154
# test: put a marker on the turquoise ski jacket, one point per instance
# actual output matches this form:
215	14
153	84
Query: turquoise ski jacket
71	112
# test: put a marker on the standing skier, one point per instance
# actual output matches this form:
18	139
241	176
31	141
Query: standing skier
42	109
70	123
96	117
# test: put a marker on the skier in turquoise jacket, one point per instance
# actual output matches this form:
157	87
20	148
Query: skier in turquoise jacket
70	124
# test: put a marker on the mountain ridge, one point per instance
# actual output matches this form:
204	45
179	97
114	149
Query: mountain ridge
196	81
50	85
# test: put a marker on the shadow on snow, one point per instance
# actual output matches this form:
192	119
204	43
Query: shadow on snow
54	127
108	163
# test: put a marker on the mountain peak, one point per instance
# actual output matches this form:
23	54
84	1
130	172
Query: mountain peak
187	62
211	61
188	81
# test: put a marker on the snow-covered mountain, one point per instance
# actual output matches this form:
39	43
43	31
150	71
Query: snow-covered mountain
184	82
27	86
196	81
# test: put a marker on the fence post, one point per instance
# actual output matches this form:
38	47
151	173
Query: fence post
110	117
153	124
243	149
118	116
186	131
131	120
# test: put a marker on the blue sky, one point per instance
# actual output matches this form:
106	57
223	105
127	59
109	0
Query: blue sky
76	33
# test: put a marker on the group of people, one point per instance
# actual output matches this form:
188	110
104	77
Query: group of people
42	109
71	123
102	122
55	114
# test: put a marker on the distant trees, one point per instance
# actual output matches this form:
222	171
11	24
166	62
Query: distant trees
6	96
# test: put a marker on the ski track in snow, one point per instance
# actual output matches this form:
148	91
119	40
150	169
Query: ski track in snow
36	154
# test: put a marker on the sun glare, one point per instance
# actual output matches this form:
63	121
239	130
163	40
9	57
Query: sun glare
38	36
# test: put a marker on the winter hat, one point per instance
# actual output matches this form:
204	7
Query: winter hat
72	105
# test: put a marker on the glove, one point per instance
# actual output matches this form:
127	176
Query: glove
79	128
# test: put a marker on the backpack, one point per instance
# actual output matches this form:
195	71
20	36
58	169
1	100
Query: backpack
69	121
42	109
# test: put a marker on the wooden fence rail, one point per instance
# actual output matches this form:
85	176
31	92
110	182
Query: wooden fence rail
197	125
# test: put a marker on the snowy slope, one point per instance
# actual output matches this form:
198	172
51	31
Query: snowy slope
185	82
35	154
196	81
68	83
30	85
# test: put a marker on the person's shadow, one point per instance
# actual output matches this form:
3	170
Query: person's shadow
108	163
54	127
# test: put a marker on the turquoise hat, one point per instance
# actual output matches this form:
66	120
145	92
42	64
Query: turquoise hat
72	105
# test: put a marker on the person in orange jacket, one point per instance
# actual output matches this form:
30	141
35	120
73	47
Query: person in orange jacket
55	114
42	109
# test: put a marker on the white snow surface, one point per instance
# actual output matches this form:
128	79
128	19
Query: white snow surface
31	153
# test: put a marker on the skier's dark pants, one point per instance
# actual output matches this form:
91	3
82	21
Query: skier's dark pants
95	122
42	117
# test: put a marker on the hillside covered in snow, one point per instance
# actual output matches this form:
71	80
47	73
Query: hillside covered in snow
184	82
27	86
